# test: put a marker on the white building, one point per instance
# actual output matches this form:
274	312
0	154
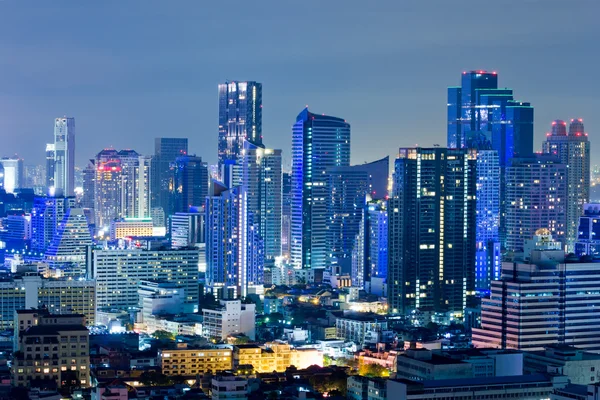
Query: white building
64	155
187	229
360	327
13	174
227	387
160	298
118	273
231	318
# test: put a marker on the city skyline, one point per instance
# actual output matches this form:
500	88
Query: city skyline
182	102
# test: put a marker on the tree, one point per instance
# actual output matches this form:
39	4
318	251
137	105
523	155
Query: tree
163	335
153	378
373	371
242	340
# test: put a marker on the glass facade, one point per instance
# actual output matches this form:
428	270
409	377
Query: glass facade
319	142
64	156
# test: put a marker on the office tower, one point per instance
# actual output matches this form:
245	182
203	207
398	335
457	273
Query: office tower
370	251
118	272
89	186
48	331
588	240
64	155
286	214
262	191
190	183
488	249
543	299
346	199
142	188
34	178
15	227
13	173
319	142
166	150
240	119
536	192
67	250
108	186
46	215
573	150
49	165
187	229
431	218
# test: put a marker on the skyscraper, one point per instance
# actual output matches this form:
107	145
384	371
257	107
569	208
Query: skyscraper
319	142
190	183
346	200
261	185
588	241
488	249
431	243
166	150
64	155
49	166
286	214
107	204
573	150
46	215
240	119
536	192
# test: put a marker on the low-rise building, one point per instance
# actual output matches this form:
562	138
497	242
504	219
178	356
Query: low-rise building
275	357
424	365
54	348
582	367
130	227
190	361
229	387
360	328
232	317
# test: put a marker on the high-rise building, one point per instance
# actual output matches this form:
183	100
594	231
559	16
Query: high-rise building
49	165
262	191
240	119
542	299
187	229
118	272
488	249
68	248
234	247
46	215
370	252
190	183
13	173
348	188
573	150
319	142
166	150
588	240
431	242
64	155
89	187
286	214
536	192
135	184
108	186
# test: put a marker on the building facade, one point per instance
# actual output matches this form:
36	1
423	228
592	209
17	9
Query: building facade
64	156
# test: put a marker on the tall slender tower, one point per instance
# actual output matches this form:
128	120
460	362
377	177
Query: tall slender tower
319	142
431	218
166	150
573	150
64	155
240	119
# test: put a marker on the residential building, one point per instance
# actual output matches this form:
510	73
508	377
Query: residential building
588	241
118	272
573	150
59	348
188	228
190	361
286	215
348	187
240	119
370	250
115	390
166	150
262	191
226	387
232	317
544	298
361	328
64	156
275	357
536	193
319	142
431	219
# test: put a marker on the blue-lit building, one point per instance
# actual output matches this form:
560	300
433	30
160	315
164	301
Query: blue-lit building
431	240
347	189
319	142
588	241
166	150
240	119
189	183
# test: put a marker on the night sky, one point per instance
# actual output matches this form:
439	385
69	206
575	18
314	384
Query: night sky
130	71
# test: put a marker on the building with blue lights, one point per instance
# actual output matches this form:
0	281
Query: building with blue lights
588	240
319	142
190	183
